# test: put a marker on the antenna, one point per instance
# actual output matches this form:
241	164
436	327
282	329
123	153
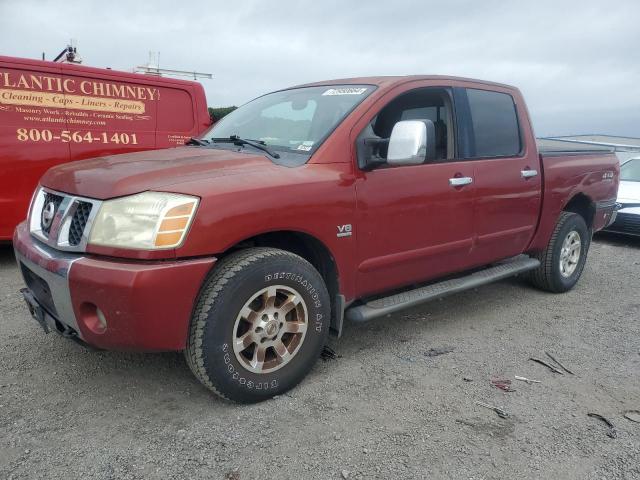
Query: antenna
69	54
153	68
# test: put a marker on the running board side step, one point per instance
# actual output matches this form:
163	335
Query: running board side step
391	304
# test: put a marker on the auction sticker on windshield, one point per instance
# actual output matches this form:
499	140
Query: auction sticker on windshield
346	91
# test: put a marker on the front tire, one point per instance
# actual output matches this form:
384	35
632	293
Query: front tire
562	261
259	325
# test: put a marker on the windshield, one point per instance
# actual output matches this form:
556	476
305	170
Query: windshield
293	122
630	171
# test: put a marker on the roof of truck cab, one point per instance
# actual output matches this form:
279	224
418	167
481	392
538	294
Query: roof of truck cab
85	70
386	81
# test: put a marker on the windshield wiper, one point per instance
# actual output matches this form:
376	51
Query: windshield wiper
259	144
197	141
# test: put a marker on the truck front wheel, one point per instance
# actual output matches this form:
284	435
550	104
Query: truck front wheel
562	262
260	323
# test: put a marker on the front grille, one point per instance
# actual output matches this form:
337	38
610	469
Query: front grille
49	198
78	222
626	223
65	228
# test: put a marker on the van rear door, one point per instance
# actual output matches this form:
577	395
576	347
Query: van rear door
32	122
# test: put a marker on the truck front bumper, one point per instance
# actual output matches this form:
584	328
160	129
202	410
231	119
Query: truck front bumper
109	303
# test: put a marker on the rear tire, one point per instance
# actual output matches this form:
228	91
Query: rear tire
562	261
259	325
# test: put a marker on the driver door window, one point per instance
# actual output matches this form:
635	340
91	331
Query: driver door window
423	104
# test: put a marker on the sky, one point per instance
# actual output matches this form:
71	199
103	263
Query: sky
576	62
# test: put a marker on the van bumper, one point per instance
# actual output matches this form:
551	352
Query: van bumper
108	303
605	214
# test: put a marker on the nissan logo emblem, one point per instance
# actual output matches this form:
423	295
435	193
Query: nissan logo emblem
48	213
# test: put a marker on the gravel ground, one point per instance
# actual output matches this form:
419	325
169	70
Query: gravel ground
382	409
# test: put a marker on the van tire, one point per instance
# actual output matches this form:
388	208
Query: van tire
549	276
257	273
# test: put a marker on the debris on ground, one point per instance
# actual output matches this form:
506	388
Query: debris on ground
404	358
548	365
345	474
328	354
434	352
612	433
232	474
501	412
467	379
465	422
632	415
525	379
502	383
560	364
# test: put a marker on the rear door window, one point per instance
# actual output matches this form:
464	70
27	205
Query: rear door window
493	129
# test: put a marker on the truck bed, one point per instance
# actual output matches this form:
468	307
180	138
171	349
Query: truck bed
588	175
553	148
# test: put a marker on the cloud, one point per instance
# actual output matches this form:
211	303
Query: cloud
575	61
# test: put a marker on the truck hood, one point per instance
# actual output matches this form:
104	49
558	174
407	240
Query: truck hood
629	197
126	174
629	192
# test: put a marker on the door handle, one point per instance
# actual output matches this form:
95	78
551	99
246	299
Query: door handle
460	181
529	173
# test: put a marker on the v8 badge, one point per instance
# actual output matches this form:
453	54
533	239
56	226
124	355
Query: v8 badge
344	230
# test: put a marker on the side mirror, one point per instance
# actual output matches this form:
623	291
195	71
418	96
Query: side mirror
367	147
411	142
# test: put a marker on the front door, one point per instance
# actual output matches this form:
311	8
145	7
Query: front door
413	224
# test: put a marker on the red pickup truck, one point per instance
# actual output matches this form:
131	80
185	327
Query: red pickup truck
341	199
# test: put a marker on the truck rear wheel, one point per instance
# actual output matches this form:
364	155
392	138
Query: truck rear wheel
562	262
259	325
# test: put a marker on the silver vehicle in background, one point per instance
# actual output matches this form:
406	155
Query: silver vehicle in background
628	219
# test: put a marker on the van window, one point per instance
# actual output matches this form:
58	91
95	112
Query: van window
494	123
175	111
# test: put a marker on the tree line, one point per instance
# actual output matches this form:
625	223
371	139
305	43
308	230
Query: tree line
216	113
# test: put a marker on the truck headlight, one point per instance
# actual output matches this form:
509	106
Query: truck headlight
148	220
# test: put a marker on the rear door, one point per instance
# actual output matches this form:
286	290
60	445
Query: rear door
507	174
